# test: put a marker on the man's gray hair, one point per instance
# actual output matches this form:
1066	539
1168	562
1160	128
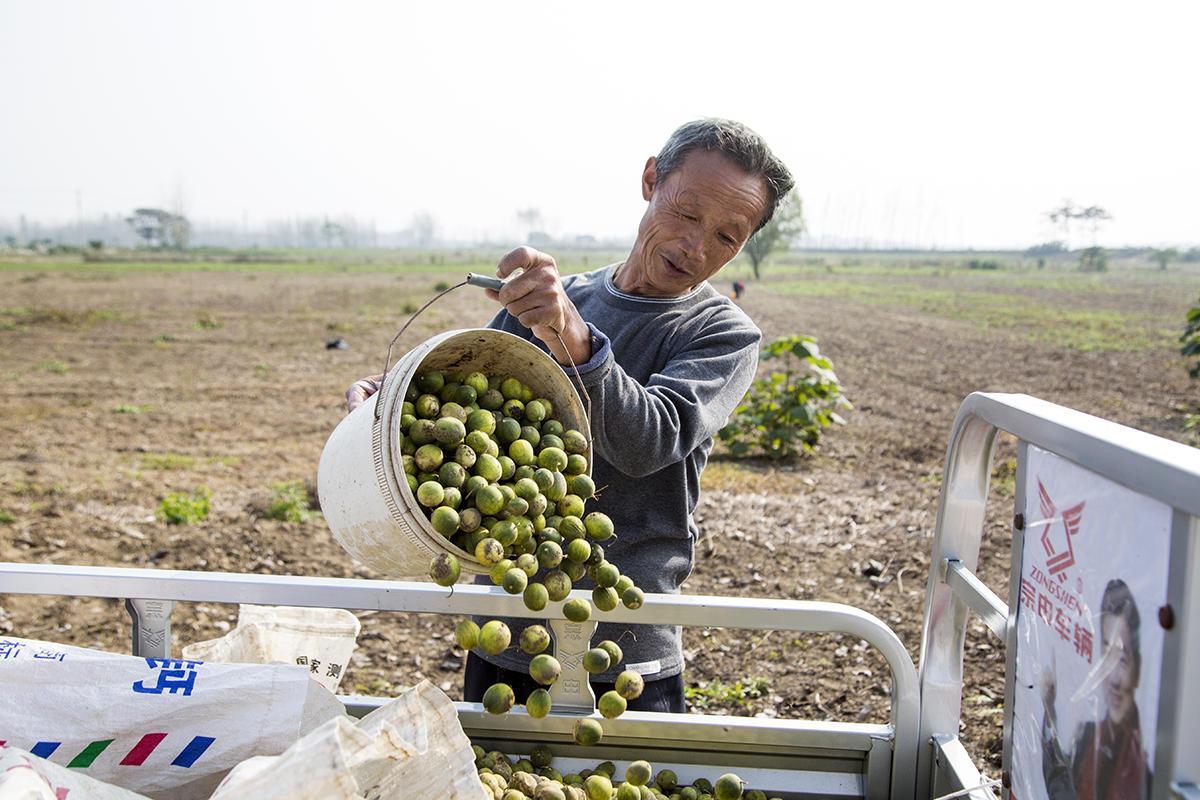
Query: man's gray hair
737	143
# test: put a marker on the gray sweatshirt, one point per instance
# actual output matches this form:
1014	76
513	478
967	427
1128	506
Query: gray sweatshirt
664	376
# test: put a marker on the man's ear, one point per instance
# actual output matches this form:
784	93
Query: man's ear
649	178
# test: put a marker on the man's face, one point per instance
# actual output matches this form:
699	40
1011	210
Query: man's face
698	218
1121	682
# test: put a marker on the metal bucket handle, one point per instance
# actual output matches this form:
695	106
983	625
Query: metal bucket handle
387	359
495	284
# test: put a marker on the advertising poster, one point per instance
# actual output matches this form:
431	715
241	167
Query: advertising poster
1089	648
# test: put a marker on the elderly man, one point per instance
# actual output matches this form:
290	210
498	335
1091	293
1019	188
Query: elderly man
664	357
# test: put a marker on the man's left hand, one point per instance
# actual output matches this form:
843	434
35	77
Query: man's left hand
537	299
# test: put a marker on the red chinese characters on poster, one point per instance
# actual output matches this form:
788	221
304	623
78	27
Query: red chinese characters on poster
1089	647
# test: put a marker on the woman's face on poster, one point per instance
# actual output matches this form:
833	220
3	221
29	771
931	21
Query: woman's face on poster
1121	682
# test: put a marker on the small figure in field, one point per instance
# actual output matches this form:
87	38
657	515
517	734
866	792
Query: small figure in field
739	289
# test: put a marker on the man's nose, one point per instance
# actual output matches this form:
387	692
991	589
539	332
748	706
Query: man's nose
694	246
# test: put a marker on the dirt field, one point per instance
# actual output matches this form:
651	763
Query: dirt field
121	384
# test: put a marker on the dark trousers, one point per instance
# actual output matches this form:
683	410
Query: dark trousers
665	694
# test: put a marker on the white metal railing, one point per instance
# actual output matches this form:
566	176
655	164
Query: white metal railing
888	769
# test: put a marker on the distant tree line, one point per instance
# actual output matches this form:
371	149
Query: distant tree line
1093	257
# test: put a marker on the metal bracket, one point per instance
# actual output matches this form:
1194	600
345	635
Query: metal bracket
957	775
975	593
151	627
879	769
572	692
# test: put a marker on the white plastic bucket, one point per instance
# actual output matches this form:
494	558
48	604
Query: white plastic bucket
364	495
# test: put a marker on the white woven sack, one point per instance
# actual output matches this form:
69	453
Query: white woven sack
412	747
168	728
24	776
441	763
317	767
321	639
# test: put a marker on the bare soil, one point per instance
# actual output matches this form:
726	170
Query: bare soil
120	386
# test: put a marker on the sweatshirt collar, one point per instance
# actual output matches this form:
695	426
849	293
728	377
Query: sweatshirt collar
611	285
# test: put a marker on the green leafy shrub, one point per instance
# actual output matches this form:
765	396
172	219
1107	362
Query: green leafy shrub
181	508
786	411
289	502
1191	340
1191	350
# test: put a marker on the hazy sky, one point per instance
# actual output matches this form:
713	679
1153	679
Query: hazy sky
921	123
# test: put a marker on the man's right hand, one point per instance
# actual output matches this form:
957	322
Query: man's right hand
360	390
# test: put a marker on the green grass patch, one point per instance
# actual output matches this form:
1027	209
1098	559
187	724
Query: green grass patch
1191	426
35	489
130	409
6	518
1075	328
167	461
182	508
740	694
55	367
1004	477
289	502
26	317
450	263
953	271
207	322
